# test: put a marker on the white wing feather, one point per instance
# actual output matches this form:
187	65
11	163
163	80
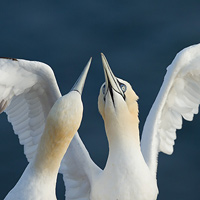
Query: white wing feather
28	90
179	97
78	171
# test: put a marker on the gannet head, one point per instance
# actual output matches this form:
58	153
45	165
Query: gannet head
117	101
66	114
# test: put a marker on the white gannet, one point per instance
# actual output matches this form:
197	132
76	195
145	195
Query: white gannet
39	178
131	168
178	97
130	171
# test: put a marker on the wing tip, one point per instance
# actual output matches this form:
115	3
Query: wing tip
3	105
167	149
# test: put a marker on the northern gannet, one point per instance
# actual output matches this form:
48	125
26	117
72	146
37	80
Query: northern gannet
131	168
39	178
178	97
126	174
130	171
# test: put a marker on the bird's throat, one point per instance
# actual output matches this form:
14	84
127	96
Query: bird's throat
122	138
51	150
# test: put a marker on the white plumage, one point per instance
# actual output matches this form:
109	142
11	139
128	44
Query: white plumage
129	170
179	97
25	112
29	91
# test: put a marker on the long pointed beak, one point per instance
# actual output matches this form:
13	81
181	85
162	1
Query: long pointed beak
78	86
111	80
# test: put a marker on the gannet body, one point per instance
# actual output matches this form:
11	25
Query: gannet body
39	178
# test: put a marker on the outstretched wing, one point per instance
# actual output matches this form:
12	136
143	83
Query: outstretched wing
179	97
78	171
28	90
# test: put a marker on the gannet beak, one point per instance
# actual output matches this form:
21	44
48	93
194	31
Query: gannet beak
111	80
78	86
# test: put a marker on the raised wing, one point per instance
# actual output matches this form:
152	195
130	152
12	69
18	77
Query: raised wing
28	90
78	171
179	97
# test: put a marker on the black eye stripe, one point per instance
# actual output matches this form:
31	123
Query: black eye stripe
122	87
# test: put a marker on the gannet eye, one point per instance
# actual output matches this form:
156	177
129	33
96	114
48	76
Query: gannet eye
123	87
104	89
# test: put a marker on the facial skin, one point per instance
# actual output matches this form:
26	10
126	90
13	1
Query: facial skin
111	100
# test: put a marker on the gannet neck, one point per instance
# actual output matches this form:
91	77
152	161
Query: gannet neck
122	146
61	125
121	126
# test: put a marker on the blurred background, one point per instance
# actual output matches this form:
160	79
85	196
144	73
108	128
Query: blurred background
139	38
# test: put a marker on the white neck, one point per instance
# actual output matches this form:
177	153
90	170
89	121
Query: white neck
123	141
39	178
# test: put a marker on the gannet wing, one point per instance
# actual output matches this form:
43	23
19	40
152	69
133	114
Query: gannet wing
78	171
28	90
178	98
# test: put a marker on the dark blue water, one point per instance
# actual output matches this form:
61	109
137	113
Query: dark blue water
140	39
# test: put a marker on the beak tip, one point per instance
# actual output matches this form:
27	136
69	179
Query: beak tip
78	86
90	60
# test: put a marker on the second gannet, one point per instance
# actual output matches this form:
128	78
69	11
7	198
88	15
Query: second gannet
131	168
126	174
39	178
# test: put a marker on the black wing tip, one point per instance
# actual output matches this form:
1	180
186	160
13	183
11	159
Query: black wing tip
14	59
3	105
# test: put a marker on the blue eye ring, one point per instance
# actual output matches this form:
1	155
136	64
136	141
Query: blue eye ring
123	87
